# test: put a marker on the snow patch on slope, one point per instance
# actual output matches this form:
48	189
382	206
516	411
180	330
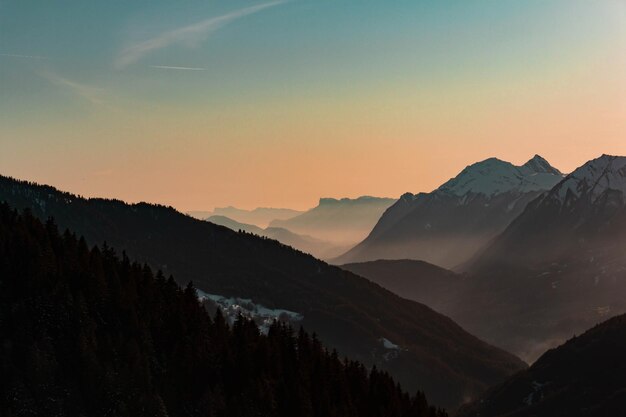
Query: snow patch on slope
387	344
536	392
392	351
232	307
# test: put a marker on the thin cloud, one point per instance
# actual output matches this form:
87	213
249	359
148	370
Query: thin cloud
84	91
167	67
190	35
24	56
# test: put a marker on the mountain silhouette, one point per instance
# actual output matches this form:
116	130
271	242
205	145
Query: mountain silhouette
419	347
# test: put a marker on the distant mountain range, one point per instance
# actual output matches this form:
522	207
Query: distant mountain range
448	225
556	270
559	268
547	261
585	377
344	222
316	247
419	347
260	217
326	231
583	213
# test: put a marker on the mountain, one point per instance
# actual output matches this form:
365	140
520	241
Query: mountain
344	222
419	281
558	269
585	377
87	333
448	225
235	225
260	216
199	214
583	213
316	247
419	347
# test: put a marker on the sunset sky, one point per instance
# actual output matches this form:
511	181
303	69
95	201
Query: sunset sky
198	104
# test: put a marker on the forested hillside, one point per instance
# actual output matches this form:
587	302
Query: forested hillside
427	350
85	332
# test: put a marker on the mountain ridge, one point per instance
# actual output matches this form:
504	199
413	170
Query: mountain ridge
88	332
316	247
448	225
346	311
415	280
558	268
584	377
260	216
342	221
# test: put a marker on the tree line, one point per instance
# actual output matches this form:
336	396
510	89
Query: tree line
87	332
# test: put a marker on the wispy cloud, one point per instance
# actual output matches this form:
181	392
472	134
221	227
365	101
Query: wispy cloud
24	56
88	92
189	35
167	67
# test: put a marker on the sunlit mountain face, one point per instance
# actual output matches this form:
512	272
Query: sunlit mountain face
312	208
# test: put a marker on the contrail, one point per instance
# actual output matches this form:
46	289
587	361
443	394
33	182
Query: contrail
167	67
190	34
24	56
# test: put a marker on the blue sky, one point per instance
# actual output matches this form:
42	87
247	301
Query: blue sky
162	79
290	45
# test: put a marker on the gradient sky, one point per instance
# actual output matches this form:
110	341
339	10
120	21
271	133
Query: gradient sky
199	104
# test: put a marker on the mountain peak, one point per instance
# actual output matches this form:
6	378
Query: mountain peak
364	199
539	165
596	176
494	176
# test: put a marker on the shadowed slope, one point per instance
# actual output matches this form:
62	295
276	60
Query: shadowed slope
415	280
558	269
347	312
585	377
449	225
85	333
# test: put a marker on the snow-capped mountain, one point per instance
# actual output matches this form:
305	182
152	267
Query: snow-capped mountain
448	225
493	176
584	210
558	268
595	177
262	278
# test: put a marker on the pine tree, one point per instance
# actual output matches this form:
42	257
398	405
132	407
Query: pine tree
85	332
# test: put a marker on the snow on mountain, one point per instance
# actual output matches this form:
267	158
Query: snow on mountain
232	307
494	176
389	344
595	177
539	165
391	350
448	225
560	265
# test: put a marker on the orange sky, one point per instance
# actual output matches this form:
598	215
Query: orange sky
404	115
